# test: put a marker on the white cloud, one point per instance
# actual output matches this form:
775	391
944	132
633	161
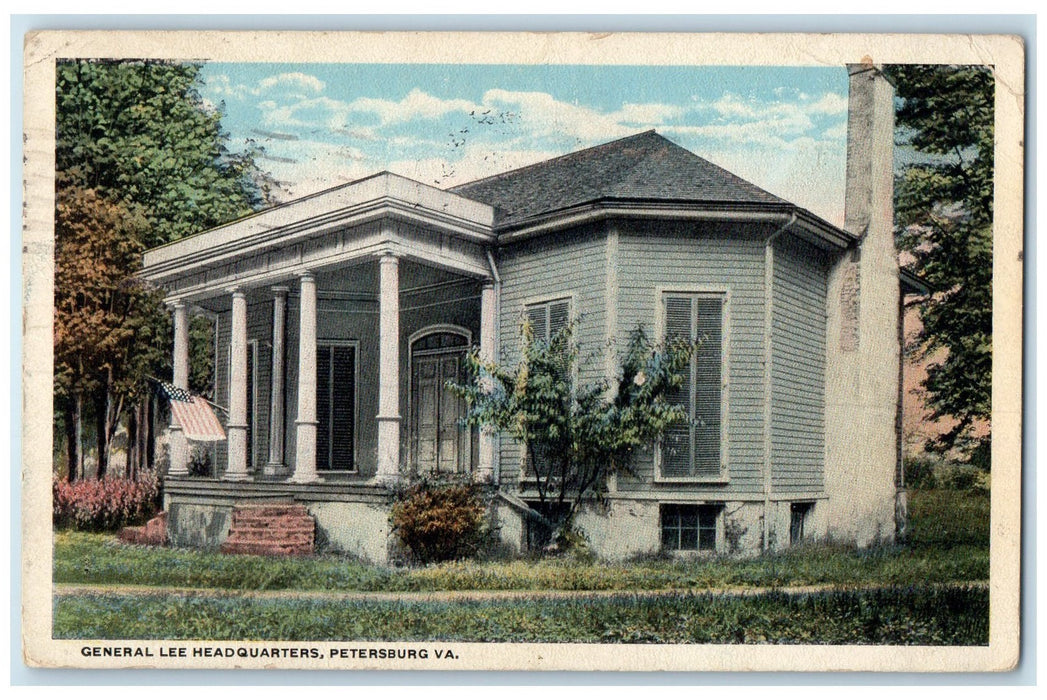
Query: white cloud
285	81
652	113
541	115
829	103
472	163
415	105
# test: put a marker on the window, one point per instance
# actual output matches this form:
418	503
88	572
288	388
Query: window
252	400
687	527
539	534
335	407
691	448
798	514
549	318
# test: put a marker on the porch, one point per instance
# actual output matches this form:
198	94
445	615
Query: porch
339	320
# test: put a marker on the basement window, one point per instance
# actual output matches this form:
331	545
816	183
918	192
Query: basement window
690	527
799	513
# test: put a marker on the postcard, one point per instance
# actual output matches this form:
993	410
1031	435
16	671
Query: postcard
522	351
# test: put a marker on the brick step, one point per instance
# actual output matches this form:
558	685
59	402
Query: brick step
271	529
289	521
152	533
271	509
290	539
266	534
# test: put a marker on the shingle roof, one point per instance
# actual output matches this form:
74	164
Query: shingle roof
646	166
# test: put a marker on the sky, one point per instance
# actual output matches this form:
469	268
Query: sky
323	125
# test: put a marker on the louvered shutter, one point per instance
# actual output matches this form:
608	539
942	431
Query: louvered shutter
677	442
559	314
708	373
335	407
343	401
323	407
251	347
691	447
538	316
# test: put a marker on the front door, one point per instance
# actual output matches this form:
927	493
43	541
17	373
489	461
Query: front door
440	443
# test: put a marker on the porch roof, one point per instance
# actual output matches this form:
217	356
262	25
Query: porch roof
383	195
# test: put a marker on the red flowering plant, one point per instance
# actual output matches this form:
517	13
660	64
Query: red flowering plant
104	504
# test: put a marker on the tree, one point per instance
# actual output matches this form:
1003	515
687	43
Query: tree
101	328
138	133
576	436
141	160
943	218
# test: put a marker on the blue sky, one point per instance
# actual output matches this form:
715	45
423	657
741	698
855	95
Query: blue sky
326	124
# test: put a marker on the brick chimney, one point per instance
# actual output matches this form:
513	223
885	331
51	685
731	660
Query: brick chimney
861	400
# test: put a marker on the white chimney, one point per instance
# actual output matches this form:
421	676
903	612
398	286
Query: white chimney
862	332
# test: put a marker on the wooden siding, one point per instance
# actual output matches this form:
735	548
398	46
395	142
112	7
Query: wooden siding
798	367
568	264
714	258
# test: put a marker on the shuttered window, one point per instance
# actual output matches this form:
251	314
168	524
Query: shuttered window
548	318
691	447
252	413
335	407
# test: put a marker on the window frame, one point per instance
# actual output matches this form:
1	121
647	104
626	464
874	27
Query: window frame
708	292
718	524
803	509
545	300
432	329
355	345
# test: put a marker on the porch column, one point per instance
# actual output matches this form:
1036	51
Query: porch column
488	333
305	424
389	369
275	465
179	460
237	428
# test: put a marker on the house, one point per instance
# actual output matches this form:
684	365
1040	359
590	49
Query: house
341	316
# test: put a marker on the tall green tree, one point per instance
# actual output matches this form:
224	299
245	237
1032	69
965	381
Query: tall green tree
141	160
139	134
943	217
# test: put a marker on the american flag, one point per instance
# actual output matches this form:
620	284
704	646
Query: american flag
193	413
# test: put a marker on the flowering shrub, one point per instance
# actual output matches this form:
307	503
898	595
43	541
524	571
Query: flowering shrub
105	504
440	522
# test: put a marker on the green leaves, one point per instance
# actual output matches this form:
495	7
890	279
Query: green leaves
576	435
138	131
943	219
141	160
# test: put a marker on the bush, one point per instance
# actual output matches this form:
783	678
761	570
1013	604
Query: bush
962	477
919	472
440	522
105	504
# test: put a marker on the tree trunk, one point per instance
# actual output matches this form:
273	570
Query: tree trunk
78	419
69	418
101	436
133	451
150	444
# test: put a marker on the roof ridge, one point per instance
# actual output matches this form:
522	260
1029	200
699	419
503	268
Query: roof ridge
546	162
724	172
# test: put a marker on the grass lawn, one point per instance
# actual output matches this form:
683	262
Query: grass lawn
914	615
948	543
